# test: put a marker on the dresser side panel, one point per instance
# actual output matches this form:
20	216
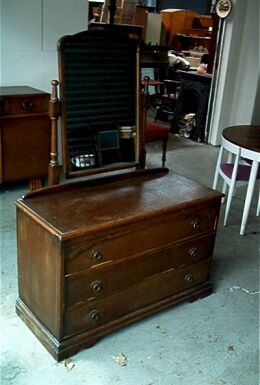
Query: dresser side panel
40	272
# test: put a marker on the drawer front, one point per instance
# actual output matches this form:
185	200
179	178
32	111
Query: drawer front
102	280
121	242
25	104
104	310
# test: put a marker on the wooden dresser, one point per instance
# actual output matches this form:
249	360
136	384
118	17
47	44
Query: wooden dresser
96	255
25	135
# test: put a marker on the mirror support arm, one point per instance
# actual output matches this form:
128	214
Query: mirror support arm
54	113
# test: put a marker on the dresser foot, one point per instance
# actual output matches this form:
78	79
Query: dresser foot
208	289
59	350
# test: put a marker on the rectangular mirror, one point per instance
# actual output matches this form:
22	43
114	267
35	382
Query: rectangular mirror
99	73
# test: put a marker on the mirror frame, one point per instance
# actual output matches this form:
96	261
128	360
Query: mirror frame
133	34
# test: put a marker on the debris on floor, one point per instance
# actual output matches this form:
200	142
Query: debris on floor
243	289
68	364
160	329
120	359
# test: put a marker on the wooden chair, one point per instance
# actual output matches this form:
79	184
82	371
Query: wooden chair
234	172
155	132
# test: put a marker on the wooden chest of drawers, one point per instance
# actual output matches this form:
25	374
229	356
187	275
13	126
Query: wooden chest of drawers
94	256
25	134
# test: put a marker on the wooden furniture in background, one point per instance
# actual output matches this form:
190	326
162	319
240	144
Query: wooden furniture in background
187	31
156	57
94	256
25	135
94	10
153	28
124	14
177	21
140	18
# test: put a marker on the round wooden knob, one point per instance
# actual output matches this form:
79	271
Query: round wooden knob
96	286
193	252
96	254
195	224
94	315
189	278
27	105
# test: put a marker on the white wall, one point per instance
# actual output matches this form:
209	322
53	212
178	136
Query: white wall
238	75
29	31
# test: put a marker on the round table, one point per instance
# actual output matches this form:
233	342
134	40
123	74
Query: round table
247	137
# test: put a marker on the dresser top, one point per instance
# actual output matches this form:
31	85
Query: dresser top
19	91
86	208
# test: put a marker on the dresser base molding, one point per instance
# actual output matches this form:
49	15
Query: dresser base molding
72	345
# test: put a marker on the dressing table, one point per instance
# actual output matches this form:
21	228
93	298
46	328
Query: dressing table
122	241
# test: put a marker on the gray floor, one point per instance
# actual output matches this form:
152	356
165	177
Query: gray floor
212	341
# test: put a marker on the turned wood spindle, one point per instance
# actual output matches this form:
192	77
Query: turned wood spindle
54	113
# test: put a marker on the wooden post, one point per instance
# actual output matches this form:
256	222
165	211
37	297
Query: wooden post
145	100
54	113
112	10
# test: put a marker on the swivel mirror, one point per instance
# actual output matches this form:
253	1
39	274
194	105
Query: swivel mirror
100	100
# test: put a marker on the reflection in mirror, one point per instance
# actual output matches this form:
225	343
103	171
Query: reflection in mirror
100	100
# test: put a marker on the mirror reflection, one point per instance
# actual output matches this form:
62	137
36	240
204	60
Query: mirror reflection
99	92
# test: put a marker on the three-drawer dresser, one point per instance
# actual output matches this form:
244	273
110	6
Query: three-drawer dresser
96	255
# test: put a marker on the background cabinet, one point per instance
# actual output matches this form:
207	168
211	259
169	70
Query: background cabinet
25	135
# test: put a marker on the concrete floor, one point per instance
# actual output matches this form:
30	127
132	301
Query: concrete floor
212	341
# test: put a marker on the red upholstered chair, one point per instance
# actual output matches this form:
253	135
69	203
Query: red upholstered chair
155	132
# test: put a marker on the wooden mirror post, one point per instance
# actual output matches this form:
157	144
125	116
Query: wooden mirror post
54	113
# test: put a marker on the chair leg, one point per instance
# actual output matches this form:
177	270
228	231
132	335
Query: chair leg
249	194
164	146
228	205
231	190
215	182
142	160
224	188
224	191
258	204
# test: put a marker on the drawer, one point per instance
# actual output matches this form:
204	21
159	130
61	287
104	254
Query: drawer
93	314
25	104
125	241
102	280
